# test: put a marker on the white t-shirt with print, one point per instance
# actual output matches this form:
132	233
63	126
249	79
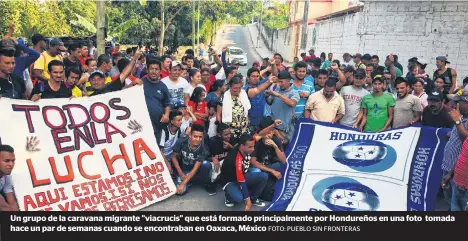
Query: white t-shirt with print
176	89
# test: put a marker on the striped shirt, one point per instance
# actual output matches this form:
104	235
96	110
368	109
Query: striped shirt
308	87
461	169
453	148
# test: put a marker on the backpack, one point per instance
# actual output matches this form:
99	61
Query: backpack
167	134
31	68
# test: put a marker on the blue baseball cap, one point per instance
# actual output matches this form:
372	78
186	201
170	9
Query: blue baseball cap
179	104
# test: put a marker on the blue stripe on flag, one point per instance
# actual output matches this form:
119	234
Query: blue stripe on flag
425	172
286	187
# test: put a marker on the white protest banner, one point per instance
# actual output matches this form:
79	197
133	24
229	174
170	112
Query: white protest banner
96	153
336	168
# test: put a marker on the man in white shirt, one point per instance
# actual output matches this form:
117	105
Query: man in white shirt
175	84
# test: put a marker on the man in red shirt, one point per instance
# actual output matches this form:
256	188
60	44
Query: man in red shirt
459	200
460	179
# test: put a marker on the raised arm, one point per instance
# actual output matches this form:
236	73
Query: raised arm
252	92
128	70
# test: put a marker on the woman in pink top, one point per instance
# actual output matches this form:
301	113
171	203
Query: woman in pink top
418	90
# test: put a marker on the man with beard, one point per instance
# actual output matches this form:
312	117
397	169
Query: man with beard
7	163
55	87
283	103
321	79
352	96
408	108
40	72
157	97
436	114
325	105
303	87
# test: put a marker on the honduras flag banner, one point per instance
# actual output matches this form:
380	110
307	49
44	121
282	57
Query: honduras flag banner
331	167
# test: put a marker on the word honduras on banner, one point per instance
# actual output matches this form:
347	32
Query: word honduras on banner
333	167
96	153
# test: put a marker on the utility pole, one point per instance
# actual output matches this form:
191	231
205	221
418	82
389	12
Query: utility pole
198	25
193	25
305	22
100	25
260	25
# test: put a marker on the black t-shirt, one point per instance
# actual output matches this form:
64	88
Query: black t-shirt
12	87
441	120
48	93
234	167
115	85
217	147
68	63
266	154
186	156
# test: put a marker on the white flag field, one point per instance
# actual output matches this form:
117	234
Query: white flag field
94	153
335	168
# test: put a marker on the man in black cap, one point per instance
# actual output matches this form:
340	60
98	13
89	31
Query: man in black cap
367	59
40	72
39	42
436	114
348	72
283	103
448	74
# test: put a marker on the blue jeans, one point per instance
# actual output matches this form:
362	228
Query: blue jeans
449	198
255	182
460	197
275	166
203	176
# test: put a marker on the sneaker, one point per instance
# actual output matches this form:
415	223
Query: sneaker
228	203
258	203
210	189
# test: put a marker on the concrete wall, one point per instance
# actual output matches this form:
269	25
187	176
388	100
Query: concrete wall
423	29
279	41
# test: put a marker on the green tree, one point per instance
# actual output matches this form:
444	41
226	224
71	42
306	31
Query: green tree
76	12
276	17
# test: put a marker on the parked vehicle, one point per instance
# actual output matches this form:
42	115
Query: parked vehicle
237	55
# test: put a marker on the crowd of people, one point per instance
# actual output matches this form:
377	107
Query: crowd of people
216	127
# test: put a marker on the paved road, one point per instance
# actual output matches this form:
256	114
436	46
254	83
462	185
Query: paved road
197	198
239	36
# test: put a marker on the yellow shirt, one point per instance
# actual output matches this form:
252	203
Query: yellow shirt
323	110
76	92
43	61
